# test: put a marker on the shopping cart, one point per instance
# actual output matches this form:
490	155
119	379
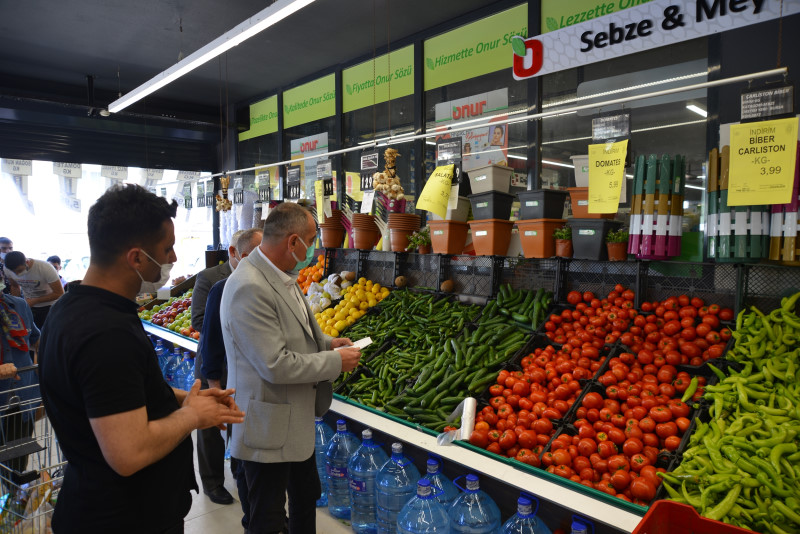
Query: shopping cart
31	463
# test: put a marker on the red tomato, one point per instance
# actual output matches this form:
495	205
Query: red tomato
479	438
643	489
679	409
606	449
660	414
592	400
632	446
494	447
507	439
620	479
574	297
562	457
665	430
543	426
672	443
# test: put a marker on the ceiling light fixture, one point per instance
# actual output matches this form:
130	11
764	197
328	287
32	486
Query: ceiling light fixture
695	187
247	29
698	110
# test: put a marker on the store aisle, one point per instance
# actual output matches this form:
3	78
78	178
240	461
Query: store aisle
205	517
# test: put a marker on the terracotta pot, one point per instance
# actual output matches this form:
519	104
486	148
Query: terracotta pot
399	239
617	251
491	237
365	239
579	199
536	237
331	237
564	248
448	237
424	249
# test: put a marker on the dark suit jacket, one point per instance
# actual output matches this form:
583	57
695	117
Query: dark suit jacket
202	285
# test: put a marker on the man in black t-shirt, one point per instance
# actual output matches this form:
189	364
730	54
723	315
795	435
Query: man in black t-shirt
124	431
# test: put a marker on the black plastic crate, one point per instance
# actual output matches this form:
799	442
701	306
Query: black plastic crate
599	277
530	273
542	204
714	283
420	270
379	267
471	275
491	205
342	259
766	285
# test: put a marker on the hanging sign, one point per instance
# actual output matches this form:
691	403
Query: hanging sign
19	167
164	192
238	190
763	103
114	173
188	175
22	184
352	185
762	163
187	195
264	186
644	27
367	201
436	193
309	102
606	176
201	195
210	194
325	181
369	166
292	189
152	177
614	127
67	170
72	203
448	152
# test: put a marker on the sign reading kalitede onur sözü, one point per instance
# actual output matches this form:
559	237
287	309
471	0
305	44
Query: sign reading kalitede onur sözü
651	25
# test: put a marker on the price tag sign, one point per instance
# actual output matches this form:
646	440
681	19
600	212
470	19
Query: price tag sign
264	186
762	162
114	172
67	170
369	166
606	176
763	103
436	193
367	201
210	194
616	127
292	190
238	190
323	201
352	186
448	152
18	167
187	195
201	195
164	192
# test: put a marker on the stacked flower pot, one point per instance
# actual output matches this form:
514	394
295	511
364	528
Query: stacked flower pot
589	230
491	209
449	235
401	226
366	233
540	214
332	230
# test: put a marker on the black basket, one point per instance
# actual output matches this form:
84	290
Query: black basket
599	277
379	267
714	283
530	273
766	285
471	275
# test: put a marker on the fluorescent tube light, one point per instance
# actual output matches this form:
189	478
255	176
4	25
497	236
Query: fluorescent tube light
247	29
558	163
695	187
512	156
699	111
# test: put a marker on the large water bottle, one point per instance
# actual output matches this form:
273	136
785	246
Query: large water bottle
581	525
423	514
340	449
162	353
171	368
186	371
525	520
474	512
444	490
397	483
322	437
362	470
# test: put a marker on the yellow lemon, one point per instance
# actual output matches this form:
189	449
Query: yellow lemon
333	333
354	312
372	302
363	306
350	320
362	281
384	292
330	312
340	325
361	295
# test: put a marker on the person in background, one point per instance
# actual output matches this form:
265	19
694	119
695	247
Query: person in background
125	433
20	338
282	366
39	282
212	345
6	246
55	261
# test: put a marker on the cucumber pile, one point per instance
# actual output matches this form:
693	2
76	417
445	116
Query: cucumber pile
524	307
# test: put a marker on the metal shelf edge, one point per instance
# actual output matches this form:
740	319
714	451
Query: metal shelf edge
565	497
169	335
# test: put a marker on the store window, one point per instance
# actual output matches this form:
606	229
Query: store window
45	210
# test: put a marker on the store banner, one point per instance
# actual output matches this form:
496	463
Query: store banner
379	80
310	102
557	14
484	145
114	173
263	118
644	27
303	148
18	167
475	49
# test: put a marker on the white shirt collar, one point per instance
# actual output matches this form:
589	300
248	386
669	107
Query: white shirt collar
287	280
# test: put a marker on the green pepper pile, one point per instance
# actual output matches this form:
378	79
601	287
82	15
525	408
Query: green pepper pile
743	466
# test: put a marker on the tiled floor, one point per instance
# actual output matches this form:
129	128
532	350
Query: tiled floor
205	517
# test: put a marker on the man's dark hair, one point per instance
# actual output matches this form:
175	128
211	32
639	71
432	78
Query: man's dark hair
5	241
54	259
14	260
126	216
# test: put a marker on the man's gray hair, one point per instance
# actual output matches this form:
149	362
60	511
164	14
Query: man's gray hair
245	237
286	219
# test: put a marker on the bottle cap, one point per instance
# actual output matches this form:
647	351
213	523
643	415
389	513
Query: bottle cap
397	448
579	527
424	488
366	434
318	419
433	466
524	507
472	483
341	425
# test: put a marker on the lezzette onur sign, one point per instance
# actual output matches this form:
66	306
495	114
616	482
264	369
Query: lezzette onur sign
375	81
263	118
557	14
310	102
475	49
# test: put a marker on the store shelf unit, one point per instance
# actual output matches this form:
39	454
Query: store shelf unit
169	335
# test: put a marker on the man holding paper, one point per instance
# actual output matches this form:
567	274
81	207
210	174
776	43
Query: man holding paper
282	366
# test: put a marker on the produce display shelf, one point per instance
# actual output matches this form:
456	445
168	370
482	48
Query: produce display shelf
613	515
168	335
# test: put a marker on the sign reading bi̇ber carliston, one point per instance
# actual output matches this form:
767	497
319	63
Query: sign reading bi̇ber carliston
475	49
310	102
263	118
372	82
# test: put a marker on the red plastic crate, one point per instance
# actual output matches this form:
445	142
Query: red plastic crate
669	517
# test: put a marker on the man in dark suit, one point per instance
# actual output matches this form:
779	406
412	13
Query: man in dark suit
210	443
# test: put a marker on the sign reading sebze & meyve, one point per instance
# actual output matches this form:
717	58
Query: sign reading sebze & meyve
651	25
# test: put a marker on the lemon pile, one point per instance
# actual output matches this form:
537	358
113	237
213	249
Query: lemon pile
355	302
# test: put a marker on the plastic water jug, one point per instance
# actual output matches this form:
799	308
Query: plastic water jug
322	437
163	355
171	368
423	514
362	470
397	484
581	525
340	449
444	490
474	512
525	520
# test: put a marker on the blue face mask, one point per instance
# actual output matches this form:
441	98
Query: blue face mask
309	256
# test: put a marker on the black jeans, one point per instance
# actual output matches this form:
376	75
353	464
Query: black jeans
39	315
210	453
267	485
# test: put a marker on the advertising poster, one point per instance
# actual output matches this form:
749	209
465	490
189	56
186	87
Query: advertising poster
302	148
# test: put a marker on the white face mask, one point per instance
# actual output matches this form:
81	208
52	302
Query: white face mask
153	287
3	255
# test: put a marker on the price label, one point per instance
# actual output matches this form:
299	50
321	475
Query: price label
369	166
436	193
187	195
324	169
264	186
611	127
67	170
763	103
606	176
210	193
201	195
114	172
238	190
292	183
448	152
762	164
72	203
367	201
19	167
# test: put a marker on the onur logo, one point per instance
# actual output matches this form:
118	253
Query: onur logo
528	56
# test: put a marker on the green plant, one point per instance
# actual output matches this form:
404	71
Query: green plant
620	236
564	232
419	238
